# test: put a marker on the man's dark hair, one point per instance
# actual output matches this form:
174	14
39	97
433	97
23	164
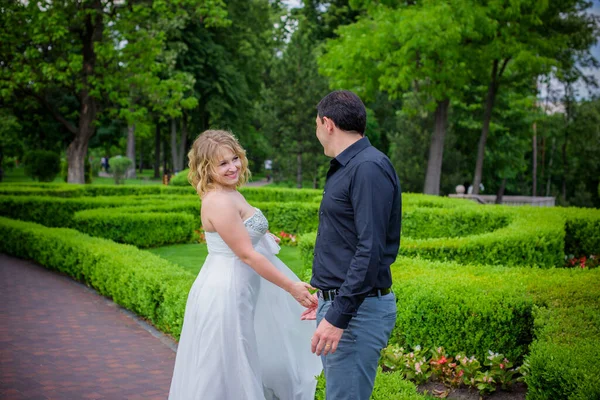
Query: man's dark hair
345	109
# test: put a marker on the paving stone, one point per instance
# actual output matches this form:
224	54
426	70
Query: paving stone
60	340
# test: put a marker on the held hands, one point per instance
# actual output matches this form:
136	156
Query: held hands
326	338
300	291
311	312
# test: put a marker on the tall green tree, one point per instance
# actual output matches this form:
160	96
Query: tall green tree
525	38
291	97
80	48
417	47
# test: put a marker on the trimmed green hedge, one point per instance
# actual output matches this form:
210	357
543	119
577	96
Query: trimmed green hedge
413	200
58	212
582	231
428	223
534	237
291	217
252	194
529	237
452	306
388	386
139	229
137	280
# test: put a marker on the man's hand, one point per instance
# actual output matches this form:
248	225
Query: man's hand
326	338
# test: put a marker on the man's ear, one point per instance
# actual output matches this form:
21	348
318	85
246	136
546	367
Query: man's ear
329	124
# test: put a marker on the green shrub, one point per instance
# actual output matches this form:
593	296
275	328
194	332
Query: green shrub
58	212
119	166
306	243
137	280
42	165
290	217
57	190
461	309
181	179
139	229
281	195
388	386
427	223
582	231
534	237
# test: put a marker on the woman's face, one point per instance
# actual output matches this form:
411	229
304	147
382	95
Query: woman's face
227	168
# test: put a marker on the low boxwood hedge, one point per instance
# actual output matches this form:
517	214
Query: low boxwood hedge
428	223
137	280
139	229
459	308
291	217
388	386
59	212
582	231
533	237
252	194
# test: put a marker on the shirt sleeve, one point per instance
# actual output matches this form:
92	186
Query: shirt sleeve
371	195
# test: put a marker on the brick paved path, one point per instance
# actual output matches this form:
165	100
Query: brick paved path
60	340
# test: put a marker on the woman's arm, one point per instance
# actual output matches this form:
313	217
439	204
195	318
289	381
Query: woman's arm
223	214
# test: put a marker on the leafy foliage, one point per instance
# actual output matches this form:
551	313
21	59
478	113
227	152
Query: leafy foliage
42	165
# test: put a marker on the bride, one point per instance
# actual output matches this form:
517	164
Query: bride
242	337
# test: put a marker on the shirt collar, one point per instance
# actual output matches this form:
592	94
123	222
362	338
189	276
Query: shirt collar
345	156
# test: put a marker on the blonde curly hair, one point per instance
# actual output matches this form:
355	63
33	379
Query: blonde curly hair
204	155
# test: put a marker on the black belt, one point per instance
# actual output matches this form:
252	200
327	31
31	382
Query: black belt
328	295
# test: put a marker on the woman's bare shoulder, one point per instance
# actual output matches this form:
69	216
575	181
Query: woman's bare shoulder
218	200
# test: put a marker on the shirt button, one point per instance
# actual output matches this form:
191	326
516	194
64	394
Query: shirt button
318	233
321	212
324	191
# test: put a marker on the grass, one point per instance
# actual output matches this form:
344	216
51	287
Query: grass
192	256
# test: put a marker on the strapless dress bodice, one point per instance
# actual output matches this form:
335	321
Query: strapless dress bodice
257	225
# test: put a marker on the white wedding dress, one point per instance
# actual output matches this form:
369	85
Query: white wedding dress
242	337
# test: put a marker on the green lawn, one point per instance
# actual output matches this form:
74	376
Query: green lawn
191	256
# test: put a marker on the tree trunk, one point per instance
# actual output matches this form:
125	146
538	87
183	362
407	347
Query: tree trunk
550	166
299	170
436	149
130	174
534	191
165	157
141	157
76	153
174	158
565	171
157	151
497	72
1	164
77	150
487	117
500	193
183	144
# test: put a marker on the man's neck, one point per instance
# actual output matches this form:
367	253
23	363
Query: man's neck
345	140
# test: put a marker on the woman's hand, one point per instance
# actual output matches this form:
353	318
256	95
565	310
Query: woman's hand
300	292
274	237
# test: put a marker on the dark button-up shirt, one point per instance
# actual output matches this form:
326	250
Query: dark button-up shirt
359	229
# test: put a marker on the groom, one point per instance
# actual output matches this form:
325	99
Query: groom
357	241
